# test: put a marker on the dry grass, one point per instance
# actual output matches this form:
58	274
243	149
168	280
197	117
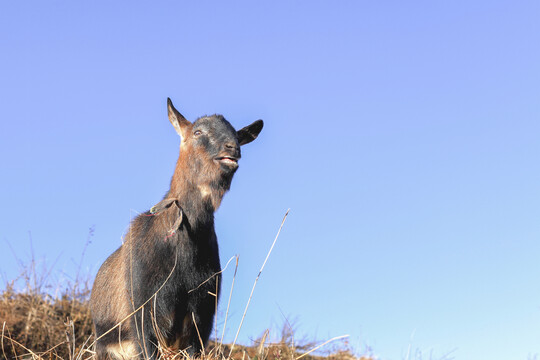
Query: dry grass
37	325
49	328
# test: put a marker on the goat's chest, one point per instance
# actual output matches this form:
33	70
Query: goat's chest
182	263
198	258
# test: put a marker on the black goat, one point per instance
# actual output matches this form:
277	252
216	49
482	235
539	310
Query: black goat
169	264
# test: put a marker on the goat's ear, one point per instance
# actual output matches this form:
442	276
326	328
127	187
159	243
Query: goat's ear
177	120
250	132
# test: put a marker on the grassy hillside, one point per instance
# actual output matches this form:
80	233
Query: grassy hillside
38	325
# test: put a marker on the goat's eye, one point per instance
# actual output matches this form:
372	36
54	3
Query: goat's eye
197	133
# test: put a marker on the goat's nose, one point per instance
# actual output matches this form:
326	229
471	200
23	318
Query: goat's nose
231	146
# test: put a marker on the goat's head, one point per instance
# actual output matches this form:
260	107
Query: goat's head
210	147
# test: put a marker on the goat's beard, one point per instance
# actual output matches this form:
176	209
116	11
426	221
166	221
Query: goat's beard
228	170
217	176
224	181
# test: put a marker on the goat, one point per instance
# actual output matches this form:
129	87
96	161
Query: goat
166	274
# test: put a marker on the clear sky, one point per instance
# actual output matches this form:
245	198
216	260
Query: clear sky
403	135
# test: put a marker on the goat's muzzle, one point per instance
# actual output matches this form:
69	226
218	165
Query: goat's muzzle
229	161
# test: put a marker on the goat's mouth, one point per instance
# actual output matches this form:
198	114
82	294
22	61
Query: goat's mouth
227	160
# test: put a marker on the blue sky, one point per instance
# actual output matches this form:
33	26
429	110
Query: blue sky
404	136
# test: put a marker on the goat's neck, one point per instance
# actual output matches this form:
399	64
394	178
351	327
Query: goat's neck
198	194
